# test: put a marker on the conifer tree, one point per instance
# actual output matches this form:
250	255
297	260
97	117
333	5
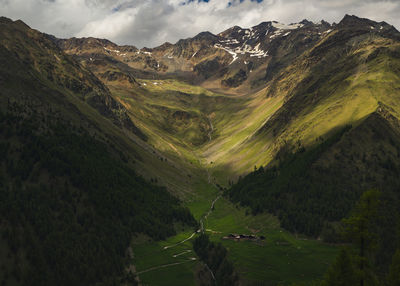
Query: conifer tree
361	229
342	272
394	272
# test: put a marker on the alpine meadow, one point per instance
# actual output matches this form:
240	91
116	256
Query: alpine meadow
267	155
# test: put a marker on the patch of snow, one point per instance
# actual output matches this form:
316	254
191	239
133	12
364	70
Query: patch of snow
254	52
259	54
287	33
276	34
110	50
234	55
281	26
249	33
230	41
194	54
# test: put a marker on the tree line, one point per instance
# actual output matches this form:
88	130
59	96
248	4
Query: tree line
371	256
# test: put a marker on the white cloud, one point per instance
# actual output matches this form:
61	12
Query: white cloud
152	22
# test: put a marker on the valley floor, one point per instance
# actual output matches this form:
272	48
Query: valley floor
177	116
280	258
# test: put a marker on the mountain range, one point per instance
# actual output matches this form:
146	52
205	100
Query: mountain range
114	158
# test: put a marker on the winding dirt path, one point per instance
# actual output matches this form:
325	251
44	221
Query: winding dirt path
190	259
183	241
182	253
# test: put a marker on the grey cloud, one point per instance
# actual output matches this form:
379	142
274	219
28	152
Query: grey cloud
152	22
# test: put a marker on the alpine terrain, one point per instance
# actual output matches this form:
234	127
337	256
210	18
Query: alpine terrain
257	156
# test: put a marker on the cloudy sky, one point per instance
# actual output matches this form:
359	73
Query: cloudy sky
153	22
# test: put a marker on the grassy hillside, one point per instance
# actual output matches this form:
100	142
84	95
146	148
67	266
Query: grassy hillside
320	98
321	184
314	182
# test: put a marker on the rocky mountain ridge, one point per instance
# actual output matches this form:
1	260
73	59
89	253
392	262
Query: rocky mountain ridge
204	55
223	61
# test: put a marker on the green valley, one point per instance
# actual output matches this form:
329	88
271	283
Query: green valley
229	159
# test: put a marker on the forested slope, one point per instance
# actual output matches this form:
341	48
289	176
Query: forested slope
70	200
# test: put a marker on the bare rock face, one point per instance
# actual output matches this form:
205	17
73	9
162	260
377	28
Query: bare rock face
207	57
